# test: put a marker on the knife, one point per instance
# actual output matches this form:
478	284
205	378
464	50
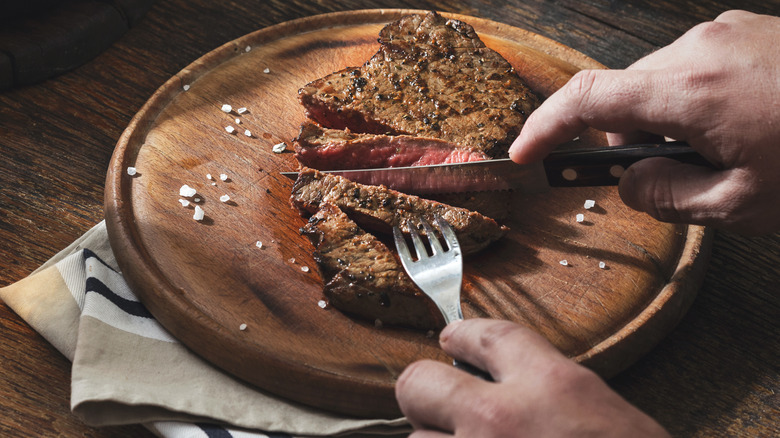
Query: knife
601	166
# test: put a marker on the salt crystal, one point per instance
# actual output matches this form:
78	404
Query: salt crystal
248	48
241	110
589	204
580	217
238	121
267	70
242	327
322	303
224	198
602	265
227	108
199	213
279	148
131	171
223	177
305	268
230	129
248	133
208	176
259	244
564	262
187	191
184	202
291	260
196	200
186	87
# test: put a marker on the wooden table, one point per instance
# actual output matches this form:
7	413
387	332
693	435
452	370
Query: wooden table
715	375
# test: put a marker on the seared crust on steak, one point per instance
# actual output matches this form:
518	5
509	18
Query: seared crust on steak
380	208
328	149
363	277
432	77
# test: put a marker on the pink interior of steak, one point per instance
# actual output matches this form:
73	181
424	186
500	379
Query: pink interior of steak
328	149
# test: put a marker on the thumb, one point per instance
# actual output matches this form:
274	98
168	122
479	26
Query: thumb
675	192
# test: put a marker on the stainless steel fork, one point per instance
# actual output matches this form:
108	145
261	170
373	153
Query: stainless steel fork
439	274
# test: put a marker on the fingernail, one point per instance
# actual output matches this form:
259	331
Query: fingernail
451	327
627	188
514	148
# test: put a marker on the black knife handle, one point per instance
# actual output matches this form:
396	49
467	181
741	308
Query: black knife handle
603	166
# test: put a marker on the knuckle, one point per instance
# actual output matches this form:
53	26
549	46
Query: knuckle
496	333
493	412
708	31
564	376
663	205
582	83
693	79
737	201
733	15
581	86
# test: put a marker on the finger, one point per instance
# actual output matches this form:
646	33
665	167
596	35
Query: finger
671	191
689	46
502	348
738	16
427	433
432	394
637	137
617	101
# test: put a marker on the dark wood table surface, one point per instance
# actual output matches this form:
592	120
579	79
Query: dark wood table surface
716	374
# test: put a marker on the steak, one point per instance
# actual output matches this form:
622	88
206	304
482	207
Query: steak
362	275
329	149
432	77
379	208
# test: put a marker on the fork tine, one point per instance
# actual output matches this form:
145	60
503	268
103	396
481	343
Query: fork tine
448	233
400	245
419	246
433	240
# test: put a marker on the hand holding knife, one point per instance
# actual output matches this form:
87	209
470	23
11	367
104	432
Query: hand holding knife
601	166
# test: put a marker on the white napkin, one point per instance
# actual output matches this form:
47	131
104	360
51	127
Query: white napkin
127	369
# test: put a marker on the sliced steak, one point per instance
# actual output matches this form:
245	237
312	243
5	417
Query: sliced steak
329	149
432	77
362	275
379	208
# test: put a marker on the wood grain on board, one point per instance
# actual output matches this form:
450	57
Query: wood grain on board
204	279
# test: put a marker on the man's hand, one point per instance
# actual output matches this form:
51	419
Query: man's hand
537	392
718	88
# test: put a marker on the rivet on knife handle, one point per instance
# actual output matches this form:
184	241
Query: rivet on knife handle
604	166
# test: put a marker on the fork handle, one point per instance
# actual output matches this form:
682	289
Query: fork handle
471	369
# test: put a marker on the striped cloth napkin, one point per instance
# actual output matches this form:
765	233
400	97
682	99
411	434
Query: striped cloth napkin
127	369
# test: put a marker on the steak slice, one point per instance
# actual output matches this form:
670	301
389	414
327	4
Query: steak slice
330	149
379	208
362	275
432	77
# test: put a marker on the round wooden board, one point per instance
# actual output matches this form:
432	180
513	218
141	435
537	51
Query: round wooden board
204	279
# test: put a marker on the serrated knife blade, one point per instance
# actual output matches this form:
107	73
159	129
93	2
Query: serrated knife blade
564	168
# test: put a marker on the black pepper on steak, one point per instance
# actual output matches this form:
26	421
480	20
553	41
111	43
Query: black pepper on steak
379	208
363	277
425	63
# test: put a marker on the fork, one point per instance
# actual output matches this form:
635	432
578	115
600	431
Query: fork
438	274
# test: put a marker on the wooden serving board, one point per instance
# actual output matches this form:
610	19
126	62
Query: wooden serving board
204	279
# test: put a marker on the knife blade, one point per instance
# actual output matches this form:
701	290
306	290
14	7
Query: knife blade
601	166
